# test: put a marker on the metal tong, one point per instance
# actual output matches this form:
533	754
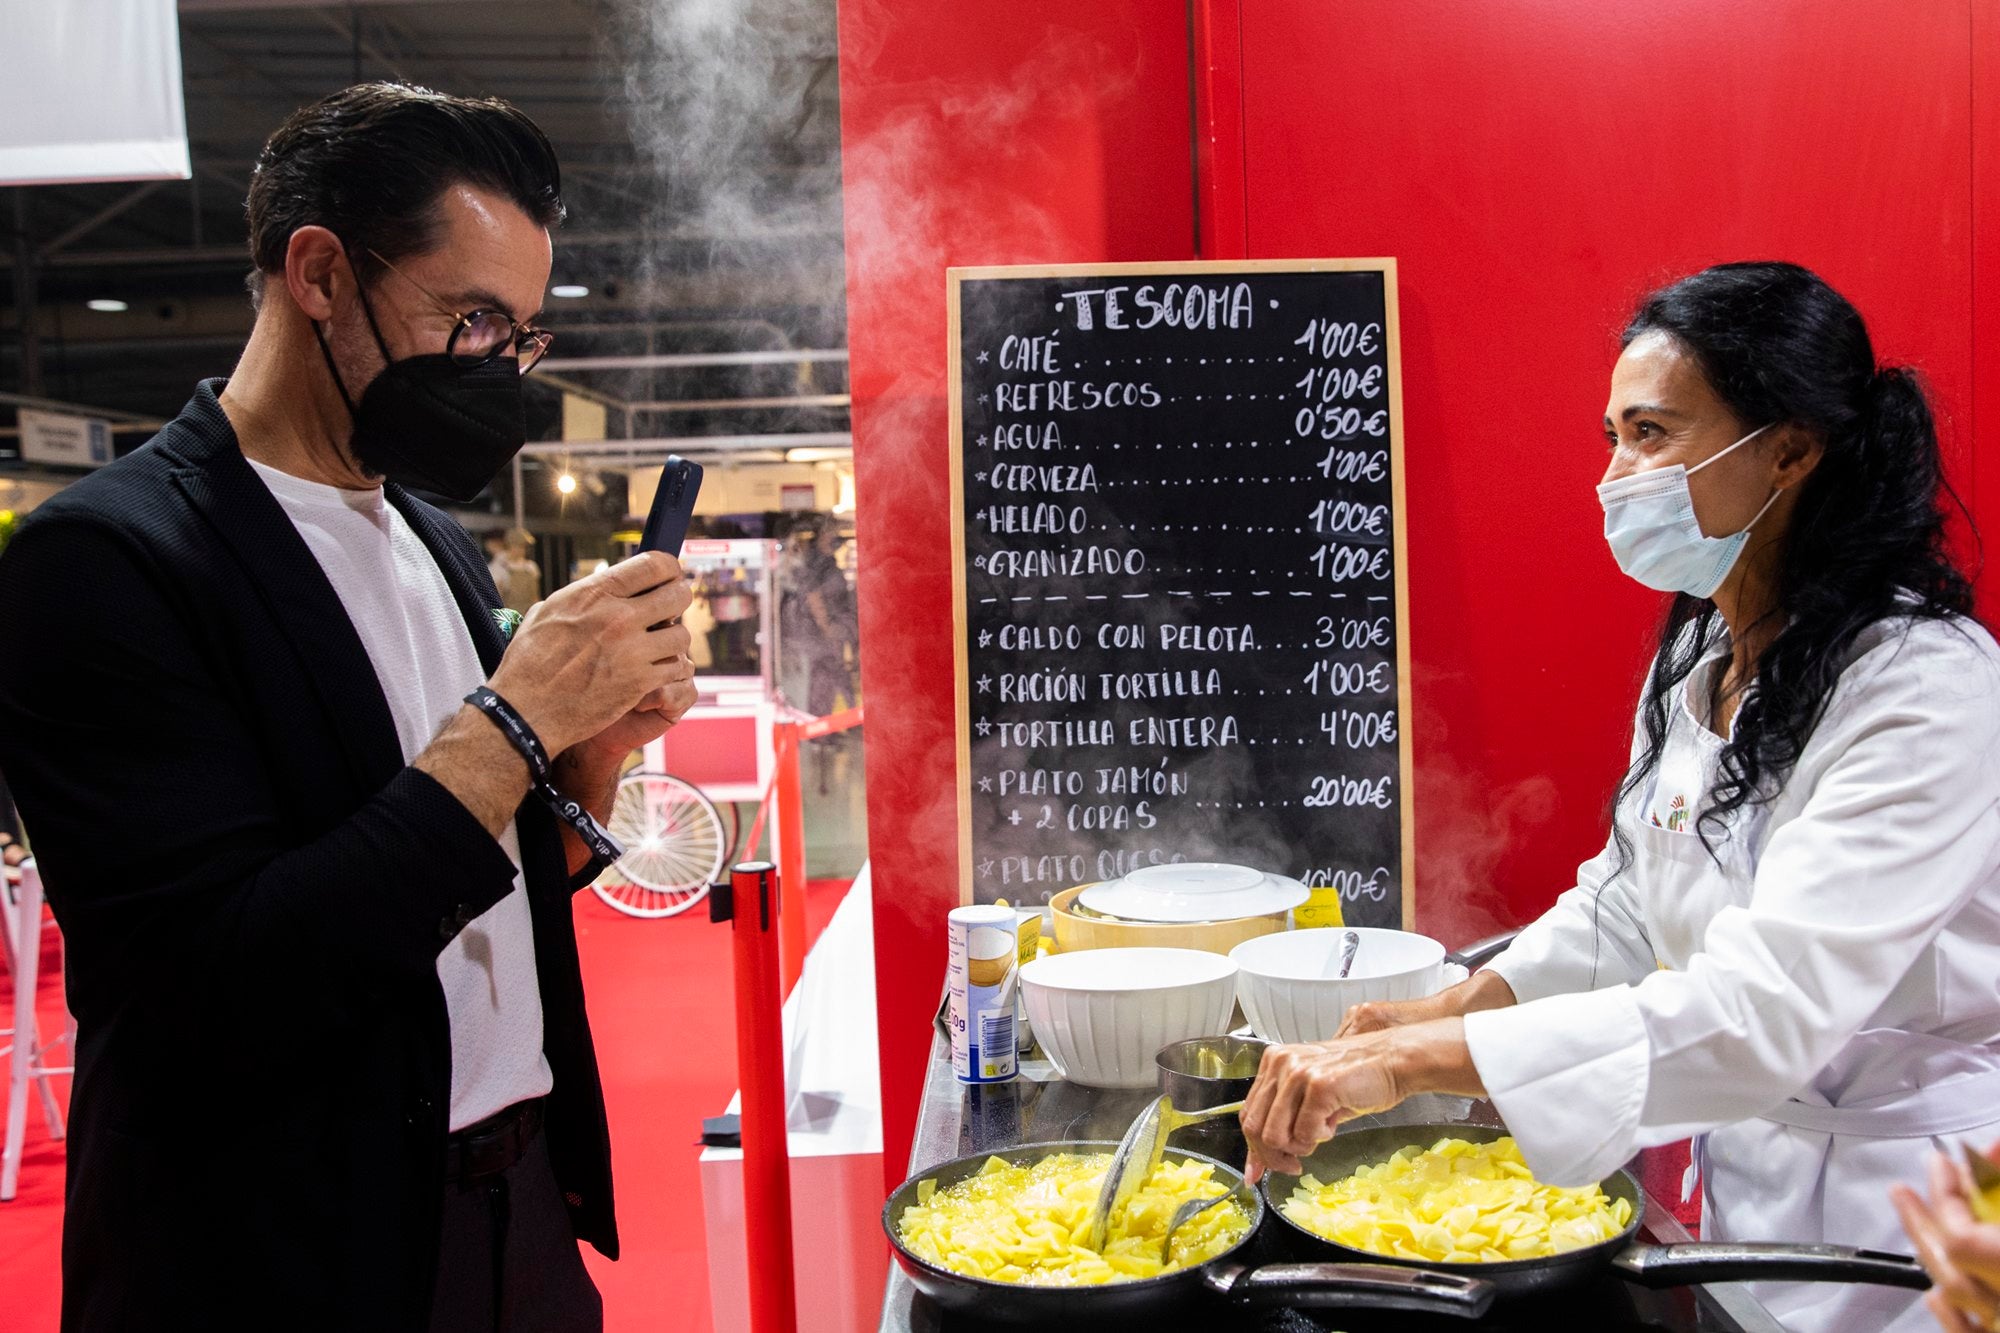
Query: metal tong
1138	1153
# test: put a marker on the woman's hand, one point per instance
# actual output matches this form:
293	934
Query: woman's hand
1303	1093
1482	990
1961	1253
1379	1015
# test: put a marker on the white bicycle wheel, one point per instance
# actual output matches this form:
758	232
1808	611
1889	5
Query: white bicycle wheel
675	846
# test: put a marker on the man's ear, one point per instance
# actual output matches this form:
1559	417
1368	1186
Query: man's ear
317	273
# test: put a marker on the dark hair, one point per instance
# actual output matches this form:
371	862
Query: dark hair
1867	538
370	163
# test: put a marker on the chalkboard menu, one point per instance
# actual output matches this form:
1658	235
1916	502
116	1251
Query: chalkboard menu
1177	498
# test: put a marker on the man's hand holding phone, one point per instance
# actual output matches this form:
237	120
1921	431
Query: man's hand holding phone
595	671
598	670
666	529
604	659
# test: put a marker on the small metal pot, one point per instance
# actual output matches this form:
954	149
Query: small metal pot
1211	1071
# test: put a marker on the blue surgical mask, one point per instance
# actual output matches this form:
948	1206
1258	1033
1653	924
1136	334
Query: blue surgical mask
1650	523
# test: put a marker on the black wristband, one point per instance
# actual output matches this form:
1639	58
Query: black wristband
603	847
515	728
522	737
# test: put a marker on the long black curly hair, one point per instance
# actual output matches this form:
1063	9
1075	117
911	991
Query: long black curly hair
1867	538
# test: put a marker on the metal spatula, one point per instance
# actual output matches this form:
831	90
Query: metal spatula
1184	1214
1138	1153
1350	944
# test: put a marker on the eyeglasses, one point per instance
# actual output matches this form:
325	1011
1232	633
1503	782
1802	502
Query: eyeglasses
480	335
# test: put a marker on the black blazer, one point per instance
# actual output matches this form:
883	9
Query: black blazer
254	890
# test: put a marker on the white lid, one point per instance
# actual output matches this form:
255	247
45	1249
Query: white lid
984	914
1194	891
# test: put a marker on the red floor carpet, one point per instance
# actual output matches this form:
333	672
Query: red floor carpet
663	1011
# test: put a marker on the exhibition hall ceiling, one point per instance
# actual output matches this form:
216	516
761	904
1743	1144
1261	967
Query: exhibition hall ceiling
700	151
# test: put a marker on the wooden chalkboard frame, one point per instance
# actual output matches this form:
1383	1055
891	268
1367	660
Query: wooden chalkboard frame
961	652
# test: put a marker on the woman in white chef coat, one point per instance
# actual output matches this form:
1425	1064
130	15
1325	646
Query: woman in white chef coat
1790	947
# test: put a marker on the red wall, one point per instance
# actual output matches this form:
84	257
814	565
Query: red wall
1983	491
1534	167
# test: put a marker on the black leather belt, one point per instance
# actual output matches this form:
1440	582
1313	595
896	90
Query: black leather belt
488	1147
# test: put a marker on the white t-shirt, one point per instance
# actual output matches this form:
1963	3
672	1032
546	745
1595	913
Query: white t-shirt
404	613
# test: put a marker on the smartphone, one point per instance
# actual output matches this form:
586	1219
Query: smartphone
673	507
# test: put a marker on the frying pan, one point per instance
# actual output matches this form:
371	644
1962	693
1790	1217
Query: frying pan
1647	1265
1368	1285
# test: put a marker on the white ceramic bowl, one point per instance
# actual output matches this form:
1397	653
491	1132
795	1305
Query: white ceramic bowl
1291	992
1103	1014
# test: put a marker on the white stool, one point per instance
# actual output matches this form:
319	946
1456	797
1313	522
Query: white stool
21	933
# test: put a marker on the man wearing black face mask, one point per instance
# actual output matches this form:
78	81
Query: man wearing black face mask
309	820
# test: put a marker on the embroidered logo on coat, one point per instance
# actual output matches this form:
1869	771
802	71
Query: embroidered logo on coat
508	620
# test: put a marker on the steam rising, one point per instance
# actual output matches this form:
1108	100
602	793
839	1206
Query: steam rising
1466	832
906	223
733	107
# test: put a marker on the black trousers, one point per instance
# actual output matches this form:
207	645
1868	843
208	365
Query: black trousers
509	1261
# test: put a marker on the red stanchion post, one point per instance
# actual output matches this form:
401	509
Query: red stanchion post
754	908
791	848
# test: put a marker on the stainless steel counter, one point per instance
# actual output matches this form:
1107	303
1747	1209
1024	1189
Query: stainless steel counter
957	1119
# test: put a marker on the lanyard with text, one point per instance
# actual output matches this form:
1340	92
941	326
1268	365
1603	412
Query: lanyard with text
522	737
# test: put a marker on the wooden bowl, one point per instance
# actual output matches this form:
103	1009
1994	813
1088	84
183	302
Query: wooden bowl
1074	930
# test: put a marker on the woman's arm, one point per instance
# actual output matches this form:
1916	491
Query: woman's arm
1303	1093
1899	828
1482	990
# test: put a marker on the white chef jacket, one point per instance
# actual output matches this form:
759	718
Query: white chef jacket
1823	1004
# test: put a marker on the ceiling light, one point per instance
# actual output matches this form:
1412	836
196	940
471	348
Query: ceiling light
566	484
810	454
108	306
569	291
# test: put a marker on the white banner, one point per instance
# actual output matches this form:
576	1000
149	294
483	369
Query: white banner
90	90
53	437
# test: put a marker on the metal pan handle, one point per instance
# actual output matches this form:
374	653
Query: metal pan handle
1352	1287
1481	952
1716	1261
